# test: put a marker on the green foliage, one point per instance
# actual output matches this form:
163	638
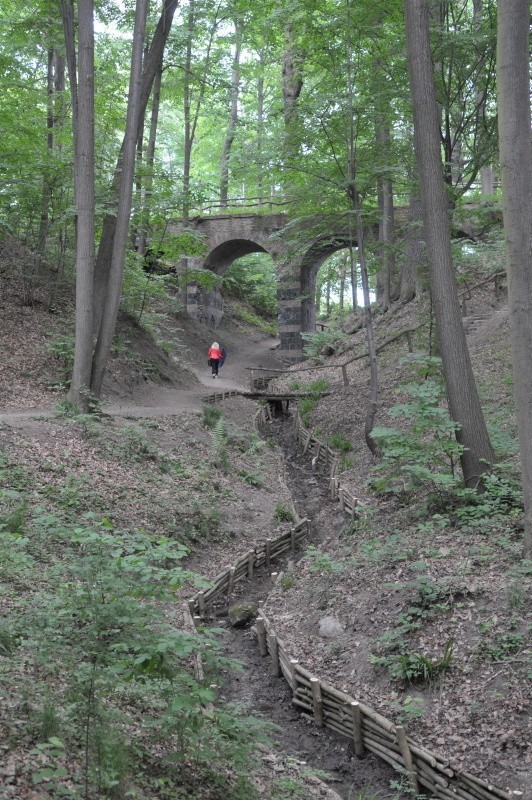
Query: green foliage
501	646
319	561
339	442
211	415
254	320
287	581
415	668
315	344
253	279
61	347
250	478
423	453
283	514
110	660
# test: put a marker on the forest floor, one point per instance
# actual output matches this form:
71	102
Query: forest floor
150	462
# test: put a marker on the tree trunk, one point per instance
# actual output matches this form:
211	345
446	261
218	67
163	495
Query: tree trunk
150	161
414	262
260	128
464	404
114	284
85	203
515	137
370	338
233	118
386	222
152	64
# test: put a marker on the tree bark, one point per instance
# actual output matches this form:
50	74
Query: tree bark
233	118
515	136
85	202
114	284
464	403
153	62
150	161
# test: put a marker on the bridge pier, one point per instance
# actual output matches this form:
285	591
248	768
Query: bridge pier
289	299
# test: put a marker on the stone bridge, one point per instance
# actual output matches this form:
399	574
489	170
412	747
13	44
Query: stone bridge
298	251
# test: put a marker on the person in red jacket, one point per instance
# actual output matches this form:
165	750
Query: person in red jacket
215	355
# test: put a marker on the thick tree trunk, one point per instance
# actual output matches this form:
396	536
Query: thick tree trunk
515	136
233	118
114	284
85	204
464	404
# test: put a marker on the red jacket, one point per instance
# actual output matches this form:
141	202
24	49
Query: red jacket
215	352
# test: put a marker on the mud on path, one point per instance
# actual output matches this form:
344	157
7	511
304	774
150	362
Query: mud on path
254	688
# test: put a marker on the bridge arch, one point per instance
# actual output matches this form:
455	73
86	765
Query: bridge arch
231	236
222	256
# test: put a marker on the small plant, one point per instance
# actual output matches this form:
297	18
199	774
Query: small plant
287	581
501	647
415	668
294	386
61	347
211	415
283	514
319	561
250	478
340	443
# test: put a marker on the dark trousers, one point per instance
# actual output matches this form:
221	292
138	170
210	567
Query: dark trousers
214	365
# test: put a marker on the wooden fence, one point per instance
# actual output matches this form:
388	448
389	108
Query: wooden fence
370	731
327	706
261	556
218	397
323	456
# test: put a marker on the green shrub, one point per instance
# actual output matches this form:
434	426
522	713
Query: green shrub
283	514
211	415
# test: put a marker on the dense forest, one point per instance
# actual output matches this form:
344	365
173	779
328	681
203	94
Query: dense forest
390	139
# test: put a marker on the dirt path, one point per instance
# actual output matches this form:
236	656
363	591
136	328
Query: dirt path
157	400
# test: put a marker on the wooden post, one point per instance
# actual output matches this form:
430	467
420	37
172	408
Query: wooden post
251	561
356	719
317	701
275	668
292	539
192	607
409	340
293	677
196	621
407	758
267	552
201	603
231	580
344	375
341	498
261	636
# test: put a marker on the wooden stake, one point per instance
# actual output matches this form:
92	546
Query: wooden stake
356	718
251	562
317	701
407	758
196	621
292	539
293	677
344	375
261	636
201	603
267	552
231	580
275	667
